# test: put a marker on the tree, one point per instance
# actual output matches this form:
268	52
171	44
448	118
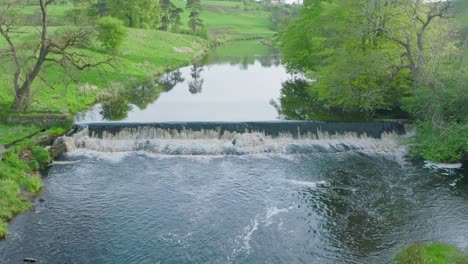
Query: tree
165	6
28	58
111	32
418	33
136	13
170	15
195	21
372	55
365	55
174	18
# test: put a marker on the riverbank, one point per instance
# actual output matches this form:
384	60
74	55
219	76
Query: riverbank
144	56
19	168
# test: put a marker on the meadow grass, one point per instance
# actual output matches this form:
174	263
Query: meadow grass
19	180
10	133
232	20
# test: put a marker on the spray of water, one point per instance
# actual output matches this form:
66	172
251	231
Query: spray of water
216	142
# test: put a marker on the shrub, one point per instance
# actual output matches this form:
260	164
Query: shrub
41	155
430	253
111	32
441	145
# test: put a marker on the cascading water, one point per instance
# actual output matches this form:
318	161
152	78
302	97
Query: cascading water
235	138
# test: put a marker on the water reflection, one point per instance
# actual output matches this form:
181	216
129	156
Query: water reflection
116	109
143	95
245	62
299	102
196	84
170	80
235	82
140	96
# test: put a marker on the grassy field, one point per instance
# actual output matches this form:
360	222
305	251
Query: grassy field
232	20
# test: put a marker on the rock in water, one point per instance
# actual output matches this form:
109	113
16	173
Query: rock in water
58	148
29	260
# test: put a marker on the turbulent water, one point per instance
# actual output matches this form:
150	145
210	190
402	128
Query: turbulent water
321	193
182	198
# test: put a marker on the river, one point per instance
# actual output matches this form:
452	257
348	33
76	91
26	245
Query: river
151	195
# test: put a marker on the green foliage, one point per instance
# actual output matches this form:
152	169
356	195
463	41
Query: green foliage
18	176
80	14
170	15
441	144
354	68
41	155
10	133
375	56
432	253
299	102
195	21
111	32
136	13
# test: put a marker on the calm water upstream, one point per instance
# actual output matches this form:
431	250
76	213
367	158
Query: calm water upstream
226	88
147	197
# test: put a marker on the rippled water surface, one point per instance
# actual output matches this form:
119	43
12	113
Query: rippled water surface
345	207
241	198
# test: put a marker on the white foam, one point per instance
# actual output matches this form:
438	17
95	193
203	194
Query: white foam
306	183
446	166
248	236
213	142
273	211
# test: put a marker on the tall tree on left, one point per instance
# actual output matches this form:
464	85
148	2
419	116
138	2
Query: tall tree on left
28	58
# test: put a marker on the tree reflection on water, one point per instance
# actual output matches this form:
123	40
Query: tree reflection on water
196	84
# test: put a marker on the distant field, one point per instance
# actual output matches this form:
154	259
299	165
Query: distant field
227	17
220	17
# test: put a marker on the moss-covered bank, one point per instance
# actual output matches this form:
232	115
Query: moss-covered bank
20	180
430	253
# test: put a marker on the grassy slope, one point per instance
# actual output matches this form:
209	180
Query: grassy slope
230	19
19	179
10	133
148	53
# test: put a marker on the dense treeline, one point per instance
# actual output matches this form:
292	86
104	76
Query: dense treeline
373	56
149	14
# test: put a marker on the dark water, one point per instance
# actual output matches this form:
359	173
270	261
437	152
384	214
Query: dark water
342	207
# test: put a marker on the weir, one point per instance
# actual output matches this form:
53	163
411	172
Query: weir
296	129
235	138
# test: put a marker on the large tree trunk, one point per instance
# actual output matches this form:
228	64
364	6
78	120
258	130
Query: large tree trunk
23	98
